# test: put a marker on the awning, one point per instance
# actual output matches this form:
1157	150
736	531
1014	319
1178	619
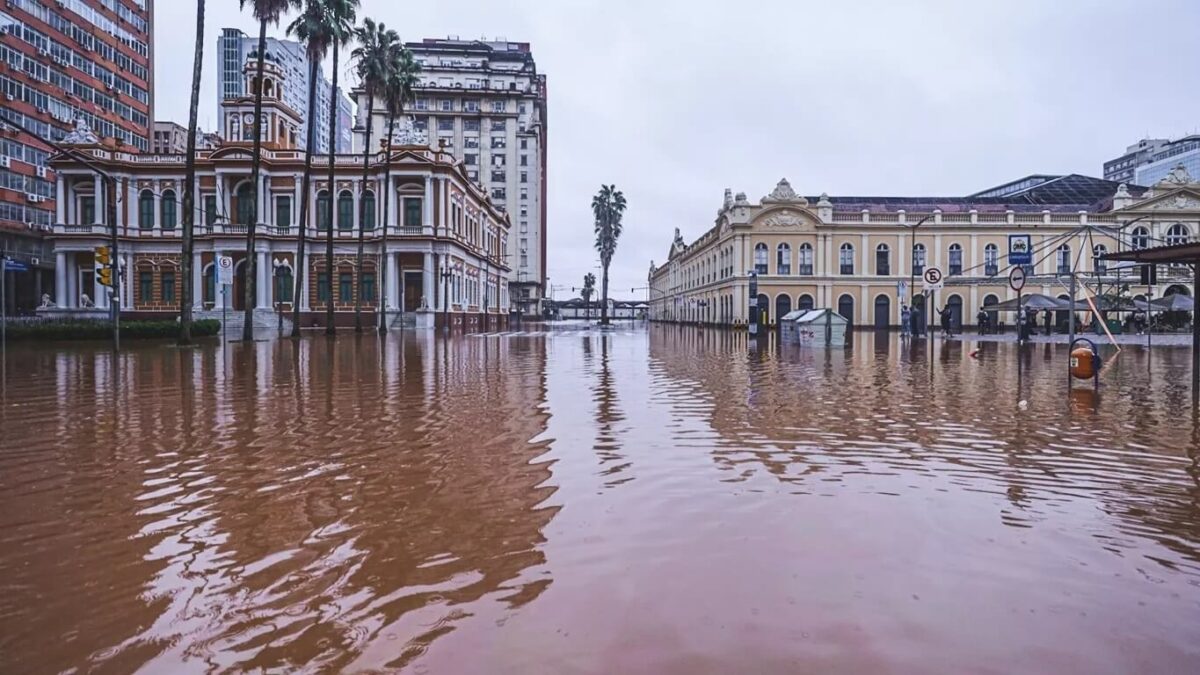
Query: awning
1178	253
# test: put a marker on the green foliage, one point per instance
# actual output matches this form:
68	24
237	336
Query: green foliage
102	330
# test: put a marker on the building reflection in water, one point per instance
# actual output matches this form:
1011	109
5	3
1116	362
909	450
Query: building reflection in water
269	505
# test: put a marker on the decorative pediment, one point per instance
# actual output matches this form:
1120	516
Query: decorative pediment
784	194
230	152
1181	199
783	219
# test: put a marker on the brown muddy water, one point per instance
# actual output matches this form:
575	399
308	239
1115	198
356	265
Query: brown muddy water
660	500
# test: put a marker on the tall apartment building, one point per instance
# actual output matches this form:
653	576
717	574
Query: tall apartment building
62	61
485	102
233	48
1123	168
1183	151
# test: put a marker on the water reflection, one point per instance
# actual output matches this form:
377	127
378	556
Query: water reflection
662	500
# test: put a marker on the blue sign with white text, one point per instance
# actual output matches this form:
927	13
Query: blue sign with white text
15	266
1020	249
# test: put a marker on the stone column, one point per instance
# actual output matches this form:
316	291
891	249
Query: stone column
264	199
427	280
98	202
903	259
157	205
394	283
60	200
867	256
265	294
131	204
303	264
937	252
197	282
296	181
60	278
356	198
427	204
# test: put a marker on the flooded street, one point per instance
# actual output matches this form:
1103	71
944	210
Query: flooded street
659	499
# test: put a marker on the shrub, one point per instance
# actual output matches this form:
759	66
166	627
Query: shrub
102	330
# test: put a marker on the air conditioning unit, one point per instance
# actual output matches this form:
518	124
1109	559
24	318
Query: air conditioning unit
30	197
8	97
41	172
35	260
6	162
43	53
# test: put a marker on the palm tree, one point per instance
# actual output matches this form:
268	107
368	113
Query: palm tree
309	28
189	187
608	206
340	15
397	90
589	288
268	12
375	55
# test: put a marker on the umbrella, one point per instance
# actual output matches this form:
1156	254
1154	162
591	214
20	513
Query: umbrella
1176	302
1029	301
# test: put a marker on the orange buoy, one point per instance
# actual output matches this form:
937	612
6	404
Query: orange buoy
1084	363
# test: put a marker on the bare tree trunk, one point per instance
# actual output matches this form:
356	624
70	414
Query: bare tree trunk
363	213
189	188
305	192
329	267
387	194
604	298
250	264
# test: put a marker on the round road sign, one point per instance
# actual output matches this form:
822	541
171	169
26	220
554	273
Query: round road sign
933	278
1016	278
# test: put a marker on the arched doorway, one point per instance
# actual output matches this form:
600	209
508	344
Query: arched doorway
954	303
783	305
846	309
238	301
764	306
992	315
209	293
805	302
1062	317
883	312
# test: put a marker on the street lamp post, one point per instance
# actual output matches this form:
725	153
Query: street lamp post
912	264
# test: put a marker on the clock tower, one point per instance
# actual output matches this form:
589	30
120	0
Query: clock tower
280	123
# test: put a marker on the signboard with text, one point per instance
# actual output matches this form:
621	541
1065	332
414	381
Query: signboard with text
225	270
933	278
1020	249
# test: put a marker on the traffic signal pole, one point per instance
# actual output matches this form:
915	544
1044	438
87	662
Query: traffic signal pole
114	302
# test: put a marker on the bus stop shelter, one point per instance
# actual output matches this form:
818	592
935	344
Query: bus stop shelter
1177	254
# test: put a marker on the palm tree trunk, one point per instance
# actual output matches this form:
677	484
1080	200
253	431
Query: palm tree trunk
604	298
255	168
305	189
387	194
329	268
189	187
363	214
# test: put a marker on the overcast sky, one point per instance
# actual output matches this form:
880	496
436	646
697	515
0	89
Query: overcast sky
675	100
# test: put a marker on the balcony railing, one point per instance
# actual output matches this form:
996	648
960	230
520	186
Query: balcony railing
806	270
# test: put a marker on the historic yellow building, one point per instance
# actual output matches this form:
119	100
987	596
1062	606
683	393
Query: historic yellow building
864	256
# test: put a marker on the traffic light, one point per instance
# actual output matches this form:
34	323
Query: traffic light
103	266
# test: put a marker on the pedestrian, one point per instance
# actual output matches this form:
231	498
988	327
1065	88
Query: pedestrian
981	319
1049	319
905	320
944	314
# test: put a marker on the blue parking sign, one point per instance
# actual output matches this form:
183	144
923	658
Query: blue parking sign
1020	249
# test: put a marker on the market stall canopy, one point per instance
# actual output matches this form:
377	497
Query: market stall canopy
1176	302
1029	301
1178	253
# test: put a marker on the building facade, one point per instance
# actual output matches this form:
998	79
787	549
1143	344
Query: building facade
1123	169
169	139
61	60
485	103
1150	160
445	258
864	256
233	49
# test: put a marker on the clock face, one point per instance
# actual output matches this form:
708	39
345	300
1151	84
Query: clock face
248	118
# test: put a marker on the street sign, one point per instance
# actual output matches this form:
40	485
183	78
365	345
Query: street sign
225	270
11	265
933	278
1016	278
1020	249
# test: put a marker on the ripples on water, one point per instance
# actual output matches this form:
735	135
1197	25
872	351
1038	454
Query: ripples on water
668	500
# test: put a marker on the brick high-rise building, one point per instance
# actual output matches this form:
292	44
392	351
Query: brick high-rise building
62	60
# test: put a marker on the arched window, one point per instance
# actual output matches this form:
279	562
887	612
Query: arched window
846	308
1140	237
345	219
1101	266
146	210
368	210
760	258
1063	258
806	259
169	210
783	259
883	260
956	264
991	258
846	258
918	258
804	302
284	283
324	215
245	203
1177	234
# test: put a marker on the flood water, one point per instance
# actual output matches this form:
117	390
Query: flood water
661	500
